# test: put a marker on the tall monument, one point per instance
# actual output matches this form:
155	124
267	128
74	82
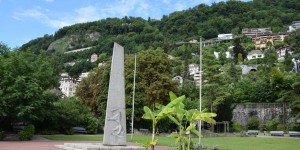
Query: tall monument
115	119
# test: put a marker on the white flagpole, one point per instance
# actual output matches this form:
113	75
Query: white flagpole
133	94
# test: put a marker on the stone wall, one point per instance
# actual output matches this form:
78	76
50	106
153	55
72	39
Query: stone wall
264	111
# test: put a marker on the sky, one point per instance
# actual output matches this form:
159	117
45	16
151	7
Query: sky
24	20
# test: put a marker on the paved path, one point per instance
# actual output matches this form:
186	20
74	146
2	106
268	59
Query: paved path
40	143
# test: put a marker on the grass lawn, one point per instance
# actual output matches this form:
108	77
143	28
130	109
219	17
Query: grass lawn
228	143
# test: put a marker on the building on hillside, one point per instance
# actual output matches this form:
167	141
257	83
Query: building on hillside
255	54
228	55
248	68
193	68
179	79
197	76
252	32
94	57
83	75
225	36
261	41
68	84
281	53
193	41
294	26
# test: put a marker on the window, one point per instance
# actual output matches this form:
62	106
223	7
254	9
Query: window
259	56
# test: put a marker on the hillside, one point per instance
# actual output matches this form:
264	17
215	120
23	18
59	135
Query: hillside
202	20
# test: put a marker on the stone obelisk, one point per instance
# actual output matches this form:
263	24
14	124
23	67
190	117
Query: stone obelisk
115	119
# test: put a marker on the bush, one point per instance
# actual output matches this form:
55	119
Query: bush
253	123
69	132
92	124
280	127
2	135
237	127
27	133
270	125
294	127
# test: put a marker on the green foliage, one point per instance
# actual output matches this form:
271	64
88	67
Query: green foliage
155	72
280	127
68	132
27	133
253	123
236	127
71	113
190	116
92	124
160	113
270	125
25	81
2	135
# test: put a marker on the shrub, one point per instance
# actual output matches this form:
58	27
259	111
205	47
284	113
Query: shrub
270	125
69	132
237	127
2	135
253	123
280	127
92	124
27	133
294	127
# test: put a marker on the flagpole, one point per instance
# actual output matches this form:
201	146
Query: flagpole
133	95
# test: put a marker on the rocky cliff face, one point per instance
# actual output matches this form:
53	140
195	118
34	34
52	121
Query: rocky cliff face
74	41
265	112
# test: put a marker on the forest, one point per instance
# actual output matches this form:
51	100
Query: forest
27	86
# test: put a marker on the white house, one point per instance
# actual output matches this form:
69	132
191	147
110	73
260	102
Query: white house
225	36
68	84
281	53
255	54
193	68
294	26
228	55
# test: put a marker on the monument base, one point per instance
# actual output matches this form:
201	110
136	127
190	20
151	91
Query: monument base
96	146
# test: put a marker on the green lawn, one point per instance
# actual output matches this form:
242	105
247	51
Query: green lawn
228	143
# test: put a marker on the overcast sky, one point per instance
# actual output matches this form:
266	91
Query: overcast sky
24	20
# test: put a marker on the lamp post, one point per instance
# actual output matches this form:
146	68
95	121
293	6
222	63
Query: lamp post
133	95
200	84
200	88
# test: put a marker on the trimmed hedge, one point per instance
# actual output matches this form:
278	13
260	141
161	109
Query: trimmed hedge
27	133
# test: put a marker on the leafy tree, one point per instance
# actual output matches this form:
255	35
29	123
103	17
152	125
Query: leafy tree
238	51
4	49
156	76
71	112
293	41
89	90
24	81
288	64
